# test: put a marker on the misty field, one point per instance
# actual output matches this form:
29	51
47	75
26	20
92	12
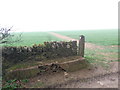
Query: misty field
31	38
99	37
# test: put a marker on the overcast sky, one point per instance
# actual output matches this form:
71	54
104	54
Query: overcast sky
44	15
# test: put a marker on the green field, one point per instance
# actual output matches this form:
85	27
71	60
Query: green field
100	37
31	38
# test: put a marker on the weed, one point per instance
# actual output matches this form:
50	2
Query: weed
25	80
98	61
12	84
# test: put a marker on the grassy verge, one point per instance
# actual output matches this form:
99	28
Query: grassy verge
101	57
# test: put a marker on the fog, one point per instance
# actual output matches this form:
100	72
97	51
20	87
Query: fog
47	15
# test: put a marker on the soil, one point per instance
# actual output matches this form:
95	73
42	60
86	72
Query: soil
105	81
91	77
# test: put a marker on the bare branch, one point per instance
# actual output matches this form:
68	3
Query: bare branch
5	36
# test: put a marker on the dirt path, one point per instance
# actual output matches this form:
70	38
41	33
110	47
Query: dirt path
105	81
87	45
91	77
62	37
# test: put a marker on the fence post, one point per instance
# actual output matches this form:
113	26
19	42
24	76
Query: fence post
81	45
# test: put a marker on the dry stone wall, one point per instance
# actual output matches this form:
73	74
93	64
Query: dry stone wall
48	50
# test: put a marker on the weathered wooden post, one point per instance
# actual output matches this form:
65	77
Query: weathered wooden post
81	45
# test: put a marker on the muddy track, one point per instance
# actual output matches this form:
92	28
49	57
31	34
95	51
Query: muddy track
108	80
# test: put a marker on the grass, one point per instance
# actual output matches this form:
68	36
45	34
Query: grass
112	50
101	57
31	38
38	85
32	72
100	37
97	61
36	63
14	83
0	82
20	74
23	65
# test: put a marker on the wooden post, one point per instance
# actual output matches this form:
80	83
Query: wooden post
81	45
